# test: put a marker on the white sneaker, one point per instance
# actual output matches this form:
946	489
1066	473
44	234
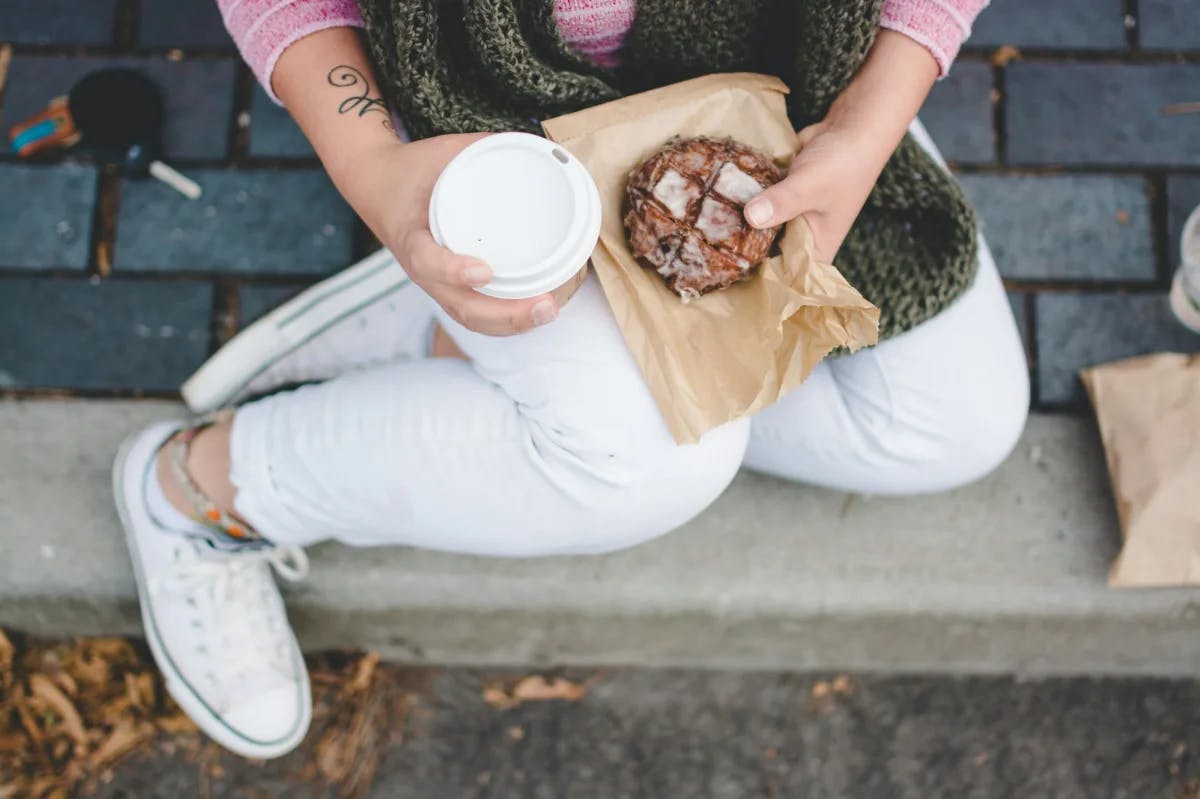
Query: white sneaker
367	314
214	619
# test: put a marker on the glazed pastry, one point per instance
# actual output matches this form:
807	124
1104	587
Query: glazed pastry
684	213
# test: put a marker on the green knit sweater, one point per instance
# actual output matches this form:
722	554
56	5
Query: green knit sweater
449	66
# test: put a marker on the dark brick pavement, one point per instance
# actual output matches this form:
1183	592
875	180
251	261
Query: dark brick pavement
642	734
1082	182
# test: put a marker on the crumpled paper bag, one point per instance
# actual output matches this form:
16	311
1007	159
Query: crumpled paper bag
1148	409
730	353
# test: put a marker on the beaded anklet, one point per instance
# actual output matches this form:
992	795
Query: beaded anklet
207	512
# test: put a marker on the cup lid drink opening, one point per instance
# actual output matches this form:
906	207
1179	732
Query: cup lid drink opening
522	204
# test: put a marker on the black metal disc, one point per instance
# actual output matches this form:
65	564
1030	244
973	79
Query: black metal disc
119	111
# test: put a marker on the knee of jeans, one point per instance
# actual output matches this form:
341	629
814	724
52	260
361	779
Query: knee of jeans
985	432
661	489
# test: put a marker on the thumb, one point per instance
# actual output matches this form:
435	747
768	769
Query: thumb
782	202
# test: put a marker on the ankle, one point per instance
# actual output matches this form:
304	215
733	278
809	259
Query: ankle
192	471
209	463
169	485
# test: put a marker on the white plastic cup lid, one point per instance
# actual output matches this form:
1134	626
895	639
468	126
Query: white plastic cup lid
522	204
1189	242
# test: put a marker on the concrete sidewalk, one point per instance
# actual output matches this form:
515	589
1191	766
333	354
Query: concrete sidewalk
1006	575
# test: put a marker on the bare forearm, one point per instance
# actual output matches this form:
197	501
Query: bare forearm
885	95
841	157
327	83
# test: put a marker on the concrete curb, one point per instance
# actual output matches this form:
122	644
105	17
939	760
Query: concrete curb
1007	575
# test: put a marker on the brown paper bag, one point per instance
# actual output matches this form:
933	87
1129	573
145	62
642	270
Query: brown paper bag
732	352
1148	409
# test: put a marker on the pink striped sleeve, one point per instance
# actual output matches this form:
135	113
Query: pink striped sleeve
263	29
941	25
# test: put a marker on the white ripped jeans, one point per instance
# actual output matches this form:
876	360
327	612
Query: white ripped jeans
549	442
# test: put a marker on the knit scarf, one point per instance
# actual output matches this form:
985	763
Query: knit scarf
492	65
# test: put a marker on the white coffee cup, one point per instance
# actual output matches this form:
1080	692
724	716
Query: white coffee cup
526	207
1185	288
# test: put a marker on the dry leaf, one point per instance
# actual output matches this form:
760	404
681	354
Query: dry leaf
176	723
334	757
843	685
6	655
67	683
124	737
5	60
534	688
50	694
12	742
364	672
1123	217
91	670
1175	109
80	707
140	689
116	649
28	723
116	707
51	664
325	678
1005	54
48	788
498	698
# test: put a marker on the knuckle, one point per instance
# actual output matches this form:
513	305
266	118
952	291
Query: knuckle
518	320
457	269
469	317
457	310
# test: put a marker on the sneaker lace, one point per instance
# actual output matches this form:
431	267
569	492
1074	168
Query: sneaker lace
237	611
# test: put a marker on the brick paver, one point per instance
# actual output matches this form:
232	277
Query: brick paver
1066	227
248	222
273	133
1071	113
1169	24
182	23
46	215
958	114
102	334
58	21
198	95
256	300
1082	190
1078	330
1071	24
1183	195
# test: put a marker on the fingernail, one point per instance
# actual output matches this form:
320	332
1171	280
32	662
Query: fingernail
477	275
759	212
544	313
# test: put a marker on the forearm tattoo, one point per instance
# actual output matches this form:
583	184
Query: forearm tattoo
344	76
